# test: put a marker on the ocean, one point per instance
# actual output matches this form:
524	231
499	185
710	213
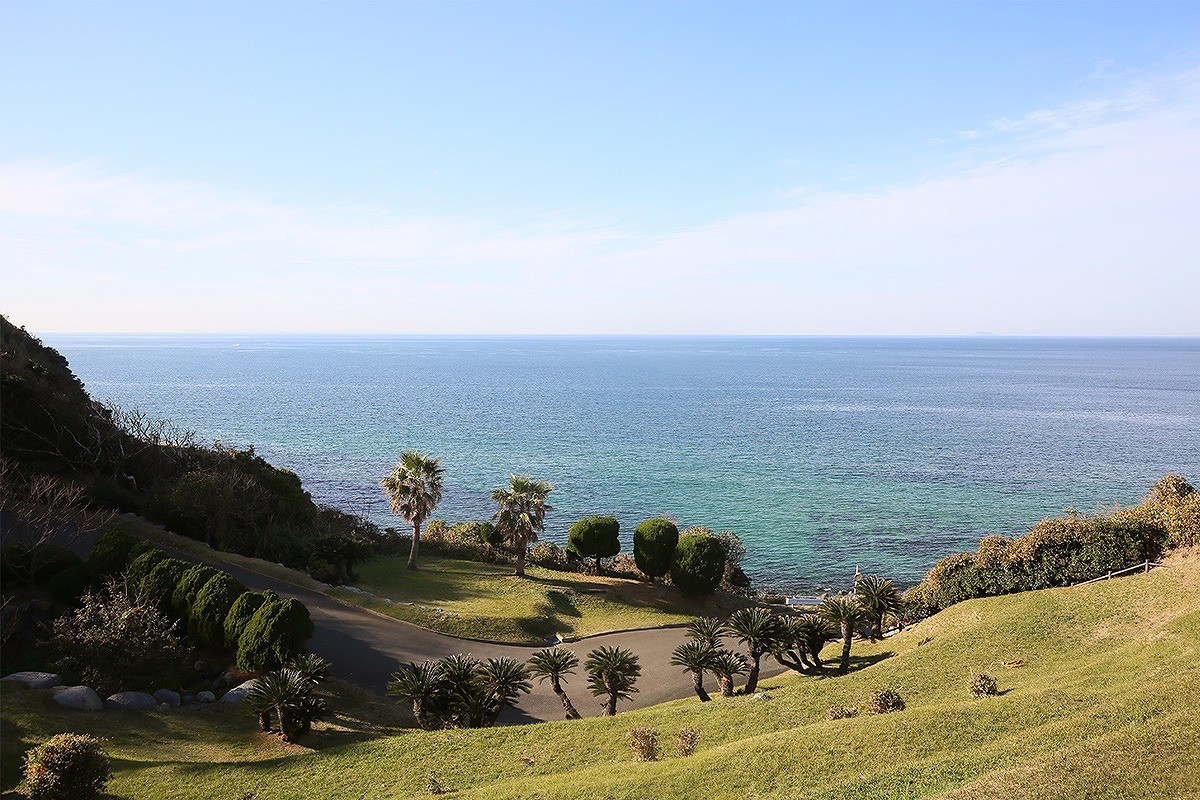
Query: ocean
823	454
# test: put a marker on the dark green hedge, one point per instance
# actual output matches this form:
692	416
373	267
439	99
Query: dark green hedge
594	537
240	614
275	635
112	552
142	565
159	586
206	617
698	564
189	586
654	543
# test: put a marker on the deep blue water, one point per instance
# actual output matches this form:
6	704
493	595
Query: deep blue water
821	453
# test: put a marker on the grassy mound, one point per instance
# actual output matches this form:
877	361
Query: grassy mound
1102	706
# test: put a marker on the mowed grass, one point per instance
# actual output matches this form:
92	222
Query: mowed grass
485	601
1104	707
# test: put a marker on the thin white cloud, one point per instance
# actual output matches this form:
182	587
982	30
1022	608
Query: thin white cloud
1080	220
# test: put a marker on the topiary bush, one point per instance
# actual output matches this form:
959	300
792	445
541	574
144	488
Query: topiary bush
160	584
698	564
113	552
206	617
190	584
68	766
984	685
143	564
654	543
274	636
594	537
884	701
240	614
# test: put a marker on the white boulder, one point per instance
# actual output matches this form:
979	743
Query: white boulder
238	693
82	698
132	701
205	697
35	680
167	696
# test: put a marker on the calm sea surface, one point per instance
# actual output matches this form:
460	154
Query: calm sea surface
822	453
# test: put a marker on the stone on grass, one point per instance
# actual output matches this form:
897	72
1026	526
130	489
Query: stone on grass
82	698
238	693
167	696
205	697
132	701
163	708
35	680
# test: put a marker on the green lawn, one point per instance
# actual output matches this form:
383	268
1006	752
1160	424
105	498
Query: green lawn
1104	707
485	601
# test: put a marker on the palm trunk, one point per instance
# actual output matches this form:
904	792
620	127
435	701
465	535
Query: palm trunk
877	628
726	684
610	705
698	685
416	544
816	659
419	713
752	676
264	720
521	557
568	707
847	639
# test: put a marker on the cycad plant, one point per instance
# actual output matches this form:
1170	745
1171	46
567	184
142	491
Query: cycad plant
727	665
414	488
800	643
696	657
553	664
878	597
708	630
845	613
612	673
460	691
521	513
506	679
281	692
421	685
759	630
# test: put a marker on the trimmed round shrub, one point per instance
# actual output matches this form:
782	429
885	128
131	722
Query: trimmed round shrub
142	564
159	586
275	635
654	544
190	584
69	766
240	614
71	583
594	537
112	552
698	564
206	617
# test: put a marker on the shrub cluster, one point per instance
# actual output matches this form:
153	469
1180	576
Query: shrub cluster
884	701
68	766
594	537
686	741
837	711
206	616
644	743
275	635
654	543
984	685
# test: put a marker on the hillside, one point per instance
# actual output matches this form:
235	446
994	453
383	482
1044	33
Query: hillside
1102	707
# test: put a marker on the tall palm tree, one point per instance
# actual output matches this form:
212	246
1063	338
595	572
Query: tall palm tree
878	596
758	629
553	664
708	630
419	684
612	672
414	488
727	665
521	513
696	657
846	613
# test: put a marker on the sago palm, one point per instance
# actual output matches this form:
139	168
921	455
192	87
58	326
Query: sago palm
521	513
758	629
612	673
283	692
696	657
707	630
879	597
845	613
420	684
727	665
414	488
553	664
506	679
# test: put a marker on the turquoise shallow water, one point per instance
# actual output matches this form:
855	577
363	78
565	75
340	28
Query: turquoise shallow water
822	453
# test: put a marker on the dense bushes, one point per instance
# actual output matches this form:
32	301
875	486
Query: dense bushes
698	564
240	614
112	552
206	616
274	636
190	584
67	767
160	584
654	543
594	537
143	565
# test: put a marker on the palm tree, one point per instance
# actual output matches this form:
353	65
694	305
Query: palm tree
414	488
708	630
505	679
553	664
878	596
845	612
800	642
696	657
282	691
521	513
420	684
758	629
727	665
612	672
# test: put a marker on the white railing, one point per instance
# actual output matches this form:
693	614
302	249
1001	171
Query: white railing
1144	567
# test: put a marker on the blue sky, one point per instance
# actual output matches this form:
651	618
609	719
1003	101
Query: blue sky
899	168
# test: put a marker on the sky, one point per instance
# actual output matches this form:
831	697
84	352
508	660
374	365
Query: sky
588	168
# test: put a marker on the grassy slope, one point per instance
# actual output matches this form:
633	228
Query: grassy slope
468	598
1103	708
